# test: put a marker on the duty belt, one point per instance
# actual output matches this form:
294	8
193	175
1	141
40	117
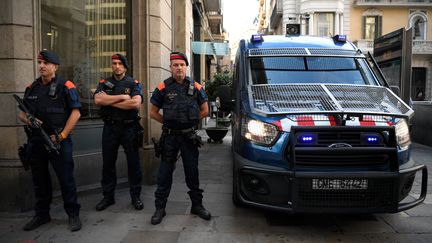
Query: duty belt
119	122
177	131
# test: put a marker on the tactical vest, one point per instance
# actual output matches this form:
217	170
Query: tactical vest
114	87
180	108
48	103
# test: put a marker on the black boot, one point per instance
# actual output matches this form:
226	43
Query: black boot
37	221
74	223
137	203
157	216
201	212
104	203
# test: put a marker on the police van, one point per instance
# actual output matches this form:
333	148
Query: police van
315	128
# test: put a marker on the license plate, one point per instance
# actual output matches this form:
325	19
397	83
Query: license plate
339	184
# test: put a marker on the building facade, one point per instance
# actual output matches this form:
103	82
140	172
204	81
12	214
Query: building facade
86	33
372	19
322	18
363	21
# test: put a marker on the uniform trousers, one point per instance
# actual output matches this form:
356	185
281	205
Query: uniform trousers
173	144
63	166
114	135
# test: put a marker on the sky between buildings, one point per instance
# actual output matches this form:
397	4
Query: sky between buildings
238	18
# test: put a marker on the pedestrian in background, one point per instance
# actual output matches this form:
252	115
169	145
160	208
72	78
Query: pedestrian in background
120	98
184	103
55	103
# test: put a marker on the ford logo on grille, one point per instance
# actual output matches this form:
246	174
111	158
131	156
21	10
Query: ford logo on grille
340	145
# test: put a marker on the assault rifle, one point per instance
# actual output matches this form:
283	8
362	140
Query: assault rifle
35	124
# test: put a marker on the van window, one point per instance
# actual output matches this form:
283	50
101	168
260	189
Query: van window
332	70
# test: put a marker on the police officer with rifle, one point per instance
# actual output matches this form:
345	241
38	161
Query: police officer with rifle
23	151
184	103
50	109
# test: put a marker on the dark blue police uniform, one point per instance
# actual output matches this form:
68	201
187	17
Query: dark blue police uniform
181	115
54	109
120	128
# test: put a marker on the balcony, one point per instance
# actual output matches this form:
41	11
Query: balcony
215	19
276	14
393	3
364	45
212	5
422	47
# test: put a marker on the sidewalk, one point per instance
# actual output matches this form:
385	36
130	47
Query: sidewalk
121	223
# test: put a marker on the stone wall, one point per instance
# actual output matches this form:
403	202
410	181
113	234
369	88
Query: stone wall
17	66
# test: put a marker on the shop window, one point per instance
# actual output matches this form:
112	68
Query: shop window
85	34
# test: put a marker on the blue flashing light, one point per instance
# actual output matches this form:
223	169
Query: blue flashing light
257	38
306	139
373	139
340	38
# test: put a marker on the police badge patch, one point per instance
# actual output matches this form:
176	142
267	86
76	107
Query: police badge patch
171	96
127	91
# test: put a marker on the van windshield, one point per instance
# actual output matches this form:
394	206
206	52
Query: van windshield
294	70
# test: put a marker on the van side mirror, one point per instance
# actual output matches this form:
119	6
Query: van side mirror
224	94
395	90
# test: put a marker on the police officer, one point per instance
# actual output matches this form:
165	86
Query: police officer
55	103
120	98
184	103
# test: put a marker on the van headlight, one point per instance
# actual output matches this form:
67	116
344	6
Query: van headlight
259	132
402	134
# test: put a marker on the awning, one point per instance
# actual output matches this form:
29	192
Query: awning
210	48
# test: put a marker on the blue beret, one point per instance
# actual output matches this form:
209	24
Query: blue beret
49	56
122	59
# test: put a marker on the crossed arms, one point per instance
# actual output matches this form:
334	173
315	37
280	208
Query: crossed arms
123	101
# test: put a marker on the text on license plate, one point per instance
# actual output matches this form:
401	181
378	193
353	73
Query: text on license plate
339	184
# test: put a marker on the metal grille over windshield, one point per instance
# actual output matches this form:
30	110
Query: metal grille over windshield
326	98
303	52
278	52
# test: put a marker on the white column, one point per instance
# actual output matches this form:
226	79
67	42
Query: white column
336	24
311	24
341	24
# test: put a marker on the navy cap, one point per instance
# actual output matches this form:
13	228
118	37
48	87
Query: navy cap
122	59
49	56
180	56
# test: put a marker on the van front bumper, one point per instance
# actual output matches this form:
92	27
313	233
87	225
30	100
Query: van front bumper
275	188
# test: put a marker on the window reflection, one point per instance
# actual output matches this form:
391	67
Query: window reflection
86	33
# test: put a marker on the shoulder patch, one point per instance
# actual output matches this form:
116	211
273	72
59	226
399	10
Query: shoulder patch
197	86
161	86
70	85
102	81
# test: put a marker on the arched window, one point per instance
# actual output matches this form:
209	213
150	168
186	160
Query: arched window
418	22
